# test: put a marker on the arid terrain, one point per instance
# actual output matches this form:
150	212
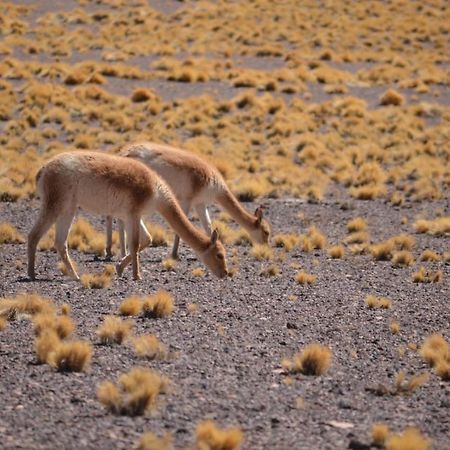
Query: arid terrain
322	112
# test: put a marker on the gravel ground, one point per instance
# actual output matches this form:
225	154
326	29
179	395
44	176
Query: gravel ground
225	359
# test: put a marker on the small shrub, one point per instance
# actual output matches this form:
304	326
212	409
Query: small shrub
336	251
404	242
374	302
356	225
98	281
158	305
429	255
159	235
402	258
142	95
435	350
314	359
169	264
149	441
71	356
394	327
45	344
198	272
138	392
9	234
114	330
427	276
149	347
305	278
271	271
131	306
28	304
63	326
286	241
262	252
210	437
392	97
379	434
410	439
316	237
382	251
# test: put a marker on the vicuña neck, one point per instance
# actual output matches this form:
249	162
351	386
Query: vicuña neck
235	209
171	211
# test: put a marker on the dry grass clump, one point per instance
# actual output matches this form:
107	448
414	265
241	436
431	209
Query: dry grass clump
271	271
45	344
158	305
314	359
427	276
63	325
437	227
114	330
198	272
159	235
9	234
402	258
149	441
403	242
142	95
170	264
131	306
262	252
410	439
305	278
25	304
84	238
316	238
394	327
374	302
357	224
149	347
382	251
210	437
100	280
436	352
70	356
358	237
392	97
336	251
429	255
404	386
137	392
286	241
379	434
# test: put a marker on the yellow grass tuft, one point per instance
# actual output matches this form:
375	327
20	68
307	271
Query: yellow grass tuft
159	235
437	227
158	305
404	242
336	251
410	439
316	237
65	309
436	351
210	437
138	392
305	278
149	441
198	272
149	347
402	258
63	326
25	303
382	251
71	356
169	264
379	434
45	344
98	281
262	252
357	224
142	95
374	302
9	234
114	330
429	255
270	271
392	97
314	359
131	306
286	241
394	327
427	276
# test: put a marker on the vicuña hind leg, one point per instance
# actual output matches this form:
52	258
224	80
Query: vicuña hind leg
203	215
185	206
132	227
62	230
45	220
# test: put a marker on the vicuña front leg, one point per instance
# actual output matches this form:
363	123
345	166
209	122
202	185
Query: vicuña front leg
185	206
133	227
109	231
203	215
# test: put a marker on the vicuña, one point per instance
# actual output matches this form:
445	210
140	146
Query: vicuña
195	183
113	186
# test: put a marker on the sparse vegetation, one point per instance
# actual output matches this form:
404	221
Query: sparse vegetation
158	305
98	281
149	441
314	359
9	234
131	306
374	302
149	347
70	356
305	278
210	437
410	439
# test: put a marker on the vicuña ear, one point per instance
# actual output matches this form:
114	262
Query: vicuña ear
259	214
214	236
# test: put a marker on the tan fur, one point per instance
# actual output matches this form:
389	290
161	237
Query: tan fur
113	186
196	183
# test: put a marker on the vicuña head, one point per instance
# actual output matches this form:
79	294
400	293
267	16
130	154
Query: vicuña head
114	186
